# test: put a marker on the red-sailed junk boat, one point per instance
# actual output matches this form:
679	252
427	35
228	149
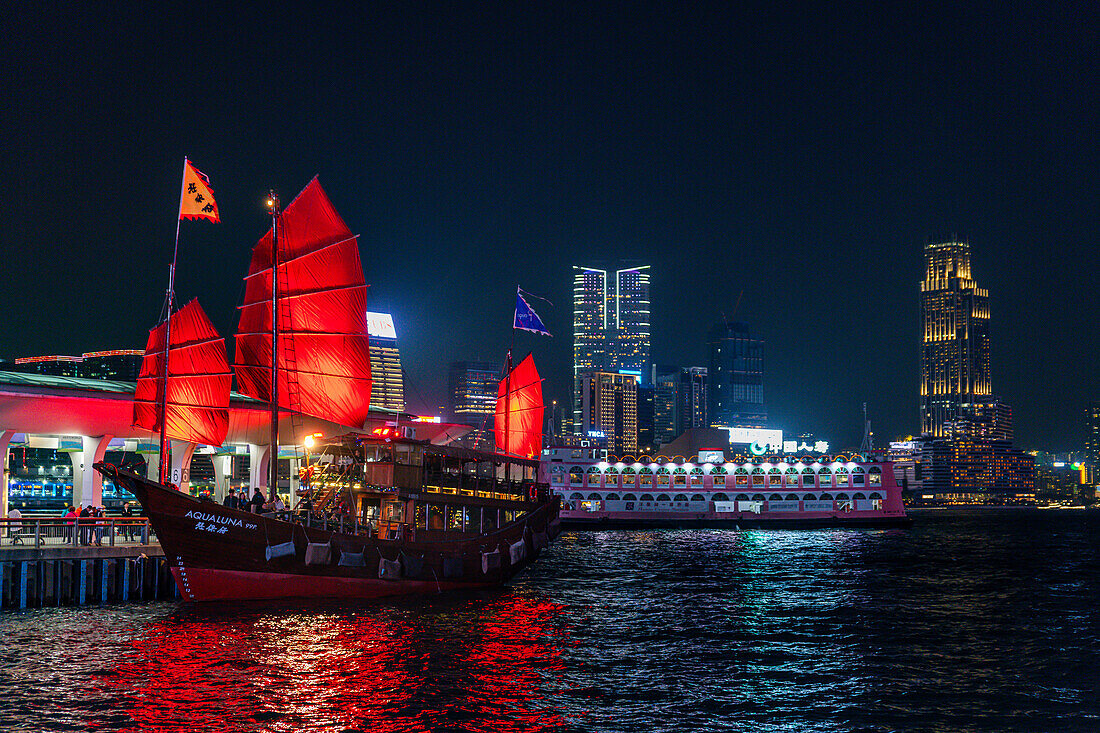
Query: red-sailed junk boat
388	514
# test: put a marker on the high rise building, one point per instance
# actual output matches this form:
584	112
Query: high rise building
666	381
609	406
610	324
988	418
680	401
472	386
1092	442
387	384
954	315
736	376
646	396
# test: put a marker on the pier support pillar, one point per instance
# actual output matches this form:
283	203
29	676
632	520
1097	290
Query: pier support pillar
180	474
87	482
258	456
5	440
223	472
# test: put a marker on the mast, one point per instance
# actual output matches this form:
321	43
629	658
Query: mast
274	449
170	297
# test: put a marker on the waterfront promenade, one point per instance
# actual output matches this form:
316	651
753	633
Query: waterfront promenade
42	565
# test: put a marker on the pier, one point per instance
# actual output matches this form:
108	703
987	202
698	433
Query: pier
56	562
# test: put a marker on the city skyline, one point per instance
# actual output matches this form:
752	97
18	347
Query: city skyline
714	157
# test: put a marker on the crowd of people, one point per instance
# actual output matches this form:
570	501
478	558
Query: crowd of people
258	504
87	525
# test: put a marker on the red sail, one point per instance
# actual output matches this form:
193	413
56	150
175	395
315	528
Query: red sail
324	357
198	380
520	414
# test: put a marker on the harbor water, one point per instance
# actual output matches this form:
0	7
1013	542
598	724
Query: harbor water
970	621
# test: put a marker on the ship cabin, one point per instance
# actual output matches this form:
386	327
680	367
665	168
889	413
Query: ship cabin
401	487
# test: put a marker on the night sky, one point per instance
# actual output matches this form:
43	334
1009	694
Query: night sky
800	156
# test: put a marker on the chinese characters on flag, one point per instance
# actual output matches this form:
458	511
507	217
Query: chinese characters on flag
198	200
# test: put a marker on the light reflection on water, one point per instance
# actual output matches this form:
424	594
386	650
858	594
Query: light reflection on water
966	622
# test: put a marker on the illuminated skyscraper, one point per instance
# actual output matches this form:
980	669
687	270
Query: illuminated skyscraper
610	324
473	387
609	405
387	384
736	376
1092	441
954	336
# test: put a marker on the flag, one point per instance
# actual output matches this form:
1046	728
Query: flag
197	200
526	319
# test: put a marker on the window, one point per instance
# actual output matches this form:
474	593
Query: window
809	497
759	497
663	497
574	496
647	497
775	497
792	497
594	497
742	497
629	497
576	475
680	497
843	497
858	495
875	495
720	497
612	497
826	497
874	476
698	497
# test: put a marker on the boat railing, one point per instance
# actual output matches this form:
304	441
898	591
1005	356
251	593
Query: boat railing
81	531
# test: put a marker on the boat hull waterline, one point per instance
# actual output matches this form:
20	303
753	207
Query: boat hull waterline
217	553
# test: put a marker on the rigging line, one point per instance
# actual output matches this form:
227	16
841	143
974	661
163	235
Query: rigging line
527	292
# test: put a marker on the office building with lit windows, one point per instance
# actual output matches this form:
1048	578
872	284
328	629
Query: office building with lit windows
387	390
680	401
736	377
609	408
954	315
611	326
1092	442
472	386
120	365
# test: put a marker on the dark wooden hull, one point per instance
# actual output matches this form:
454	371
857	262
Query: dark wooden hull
218	553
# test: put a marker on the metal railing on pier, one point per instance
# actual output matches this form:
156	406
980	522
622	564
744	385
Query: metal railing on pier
84	531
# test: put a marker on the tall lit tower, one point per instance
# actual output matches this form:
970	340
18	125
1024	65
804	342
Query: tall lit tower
954	315
610	325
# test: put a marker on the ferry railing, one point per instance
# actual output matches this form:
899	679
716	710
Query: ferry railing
82	531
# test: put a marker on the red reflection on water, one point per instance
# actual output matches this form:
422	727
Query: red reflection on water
477	665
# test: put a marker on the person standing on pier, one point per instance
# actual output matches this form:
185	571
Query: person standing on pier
15	525
85	527
127	518
70	533
230	499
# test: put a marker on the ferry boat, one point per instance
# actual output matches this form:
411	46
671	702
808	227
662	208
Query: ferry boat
388	514
764	491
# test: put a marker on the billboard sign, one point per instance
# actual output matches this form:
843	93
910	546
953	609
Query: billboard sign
747	436
380	325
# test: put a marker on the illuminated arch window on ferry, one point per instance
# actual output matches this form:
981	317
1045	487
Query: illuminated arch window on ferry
875	495
613	497
629	497
757	477
645	476
647	497
874	476
576	475
630	477
741	477
824	477
663	497
807	476
593	476
809	497
720	497
698	497
790	476
717	477
741	497
557	474
842	476
774	476
663	476
696	476
826	497
679	476
758	497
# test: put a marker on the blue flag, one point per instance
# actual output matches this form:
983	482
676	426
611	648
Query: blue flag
526	319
